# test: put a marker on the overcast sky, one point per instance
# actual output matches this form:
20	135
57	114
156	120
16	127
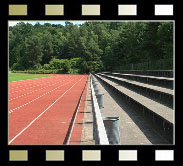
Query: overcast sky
12	23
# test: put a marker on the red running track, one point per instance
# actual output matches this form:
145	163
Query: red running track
40	110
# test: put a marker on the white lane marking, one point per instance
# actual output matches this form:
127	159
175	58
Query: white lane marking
34	81
26	82
42	113
25	89
29	86
33	86
10	111
35	90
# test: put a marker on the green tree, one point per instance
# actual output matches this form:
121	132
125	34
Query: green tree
47	47
92	46
33	52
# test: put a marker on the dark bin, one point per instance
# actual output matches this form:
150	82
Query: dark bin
112	126
94	85
100	98
96	88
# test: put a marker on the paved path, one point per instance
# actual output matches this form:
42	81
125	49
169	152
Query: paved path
87	131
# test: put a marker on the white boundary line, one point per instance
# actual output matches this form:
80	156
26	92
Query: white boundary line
42	113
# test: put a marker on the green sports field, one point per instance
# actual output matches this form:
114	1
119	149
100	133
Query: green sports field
18	77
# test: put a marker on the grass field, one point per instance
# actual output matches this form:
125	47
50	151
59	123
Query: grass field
18	77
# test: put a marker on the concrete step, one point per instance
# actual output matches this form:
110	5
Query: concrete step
134	129
162	95
156	81
157	73
158	115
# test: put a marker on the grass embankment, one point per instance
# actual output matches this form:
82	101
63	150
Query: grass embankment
18	77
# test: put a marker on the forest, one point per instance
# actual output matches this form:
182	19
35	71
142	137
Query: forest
88	47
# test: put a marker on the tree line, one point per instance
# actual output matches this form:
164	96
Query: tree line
88	47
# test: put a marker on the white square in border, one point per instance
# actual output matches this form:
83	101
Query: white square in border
90	10
164	155
54	10
91	155
127	10
127	155
54	155
162	10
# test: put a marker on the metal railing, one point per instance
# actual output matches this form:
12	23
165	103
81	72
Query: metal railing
100	134
162	64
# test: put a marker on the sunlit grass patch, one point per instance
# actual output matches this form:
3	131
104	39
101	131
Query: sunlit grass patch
18	77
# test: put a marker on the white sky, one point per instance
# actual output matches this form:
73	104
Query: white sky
12	23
